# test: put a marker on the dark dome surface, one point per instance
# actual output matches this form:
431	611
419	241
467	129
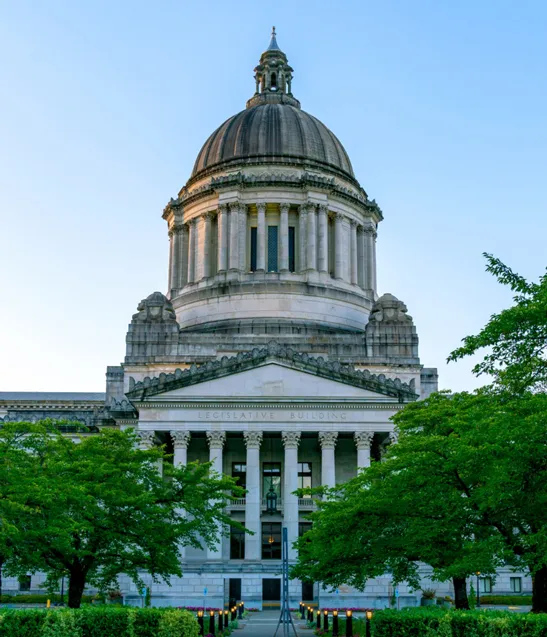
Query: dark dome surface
273	133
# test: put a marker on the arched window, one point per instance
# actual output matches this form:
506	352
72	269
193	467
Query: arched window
273	81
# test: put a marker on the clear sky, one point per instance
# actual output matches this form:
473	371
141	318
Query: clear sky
441	105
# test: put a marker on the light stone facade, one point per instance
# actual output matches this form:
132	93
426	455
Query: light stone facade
272	349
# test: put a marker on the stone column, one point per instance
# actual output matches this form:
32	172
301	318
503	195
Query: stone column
302	234
327	440
284	237
183	259
312	238
353	237
369	258
243	237
360	257
216	443
172	275
234	236
261	238
253	543
181	440
363	440
222	242
374	282
323	239
191	251
290	484
206	245
338	247
147	440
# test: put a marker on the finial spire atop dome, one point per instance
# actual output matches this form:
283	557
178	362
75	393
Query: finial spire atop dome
273	77
273	42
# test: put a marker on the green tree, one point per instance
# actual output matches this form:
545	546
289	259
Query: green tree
92	509
515	339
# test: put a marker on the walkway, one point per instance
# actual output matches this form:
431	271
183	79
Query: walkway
264	623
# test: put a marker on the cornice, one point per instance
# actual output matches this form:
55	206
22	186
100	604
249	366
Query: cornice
270	406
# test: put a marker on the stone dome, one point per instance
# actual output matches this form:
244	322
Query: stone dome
268	133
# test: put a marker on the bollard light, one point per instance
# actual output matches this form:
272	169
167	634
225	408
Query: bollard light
334	623
310	614
349	624
367	625
200	622
220	621
318	618
240	610
325	620
212	622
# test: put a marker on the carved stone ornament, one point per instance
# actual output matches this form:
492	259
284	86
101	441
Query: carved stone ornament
388	309
290	439
322	208
327	439
147	438
216	439
253	439
155	308
393	437
284	207
222	209
261	207
181	439
363	439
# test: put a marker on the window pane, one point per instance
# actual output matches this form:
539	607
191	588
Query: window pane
253	249
272	248
516	584
292	267
237	544
24	583
271	541
239	471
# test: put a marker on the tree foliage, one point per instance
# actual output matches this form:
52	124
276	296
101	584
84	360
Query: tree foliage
97	507
515	339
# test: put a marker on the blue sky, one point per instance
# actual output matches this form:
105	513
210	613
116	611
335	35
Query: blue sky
104	106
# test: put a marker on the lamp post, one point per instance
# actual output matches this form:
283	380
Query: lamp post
349	624
367	627
478	592
334	623
325	620
200	622
212	622
271	500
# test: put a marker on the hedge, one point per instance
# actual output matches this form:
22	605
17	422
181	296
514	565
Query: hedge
98	622
40	598
507	600
439	623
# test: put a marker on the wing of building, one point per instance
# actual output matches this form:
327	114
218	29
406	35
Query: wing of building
272	353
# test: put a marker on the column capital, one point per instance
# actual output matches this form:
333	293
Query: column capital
261	207
363	439
290	439
180	438
323	208
207	216
311	207
147	438
284	207
242	207
339	216
234	206
370	230
222	208
253	439
192	222
327	439
360	229
303	209
216	439
353	223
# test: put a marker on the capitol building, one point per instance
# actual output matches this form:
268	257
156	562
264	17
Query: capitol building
272	354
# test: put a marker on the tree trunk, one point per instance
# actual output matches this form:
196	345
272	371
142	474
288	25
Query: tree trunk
460	593
1	564
539	591
76	584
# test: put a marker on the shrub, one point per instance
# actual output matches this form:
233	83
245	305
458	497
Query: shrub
21	623
507	600
145	622
177	623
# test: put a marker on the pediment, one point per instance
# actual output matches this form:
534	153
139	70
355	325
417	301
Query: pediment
273	371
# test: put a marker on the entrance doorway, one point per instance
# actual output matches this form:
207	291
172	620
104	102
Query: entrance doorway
271	593
234	594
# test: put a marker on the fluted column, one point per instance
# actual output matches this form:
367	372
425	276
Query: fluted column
363	440
176	263
338	247
323	239
191	251
302	234
327	440
172	274
253	543
360	257
181	440
206	245
374	281
284	237
353	242
234	236
243	237
290	484
222	241
369	258
183	255
311	251
216	441
261	237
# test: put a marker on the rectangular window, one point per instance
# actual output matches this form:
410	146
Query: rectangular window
307	591
272	248
485	585
237	544
239	471
271	540
304	476
24	582
253	248
271	476
515	584
303	527
292	262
